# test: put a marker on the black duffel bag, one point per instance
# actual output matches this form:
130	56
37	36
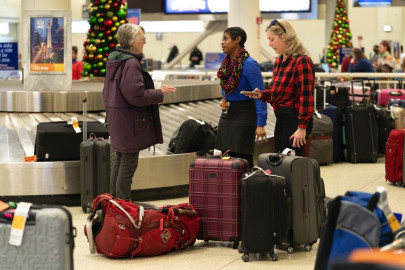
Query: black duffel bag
193	136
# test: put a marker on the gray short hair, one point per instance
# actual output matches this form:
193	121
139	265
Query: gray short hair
127	34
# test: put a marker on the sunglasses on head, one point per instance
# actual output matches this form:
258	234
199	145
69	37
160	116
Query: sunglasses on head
274	22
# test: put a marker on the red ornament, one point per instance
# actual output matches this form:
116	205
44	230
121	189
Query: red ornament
108	32
102	14
115	5
90	30
108	23
123	3
106	55
86	57
112	45
85	43
96	2
126	20
95	71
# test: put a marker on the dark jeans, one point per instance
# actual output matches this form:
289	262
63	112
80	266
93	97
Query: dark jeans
286	125
123	170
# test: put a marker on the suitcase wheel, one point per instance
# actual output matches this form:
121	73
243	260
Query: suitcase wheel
308	247
240	249
245	257
274	257
235	245
290	249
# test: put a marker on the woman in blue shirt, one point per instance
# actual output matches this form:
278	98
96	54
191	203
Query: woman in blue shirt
242	118
359	62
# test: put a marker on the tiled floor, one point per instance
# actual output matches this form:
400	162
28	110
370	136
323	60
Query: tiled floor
338	177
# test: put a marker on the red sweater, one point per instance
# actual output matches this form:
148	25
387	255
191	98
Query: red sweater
77	67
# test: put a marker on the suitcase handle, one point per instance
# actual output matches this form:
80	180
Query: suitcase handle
275	160
396	93
84	119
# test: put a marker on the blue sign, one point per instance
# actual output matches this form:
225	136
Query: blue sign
214	60
134	15
9	60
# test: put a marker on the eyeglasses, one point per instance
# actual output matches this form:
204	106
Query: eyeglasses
274	22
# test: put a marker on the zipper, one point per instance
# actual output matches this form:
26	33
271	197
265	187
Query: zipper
341	228
372	135
354	142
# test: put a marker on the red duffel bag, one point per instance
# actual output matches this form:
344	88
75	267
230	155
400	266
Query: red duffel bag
122	229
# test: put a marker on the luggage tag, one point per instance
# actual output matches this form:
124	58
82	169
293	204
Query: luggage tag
73	121
288	152
225	105
383	205
18	223
224	157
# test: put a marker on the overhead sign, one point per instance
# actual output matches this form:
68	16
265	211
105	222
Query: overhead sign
9	60
134	15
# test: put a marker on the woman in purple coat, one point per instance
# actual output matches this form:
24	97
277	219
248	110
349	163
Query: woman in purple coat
131	104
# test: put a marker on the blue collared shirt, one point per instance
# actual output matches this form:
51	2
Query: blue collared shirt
251	78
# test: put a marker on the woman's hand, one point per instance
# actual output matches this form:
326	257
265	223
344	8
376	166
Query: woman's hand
256	94
167	88
299	138
261	134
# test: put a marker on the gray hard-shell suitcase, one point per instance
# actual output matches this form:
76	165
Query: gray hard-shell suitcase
306	191
94	166
48	240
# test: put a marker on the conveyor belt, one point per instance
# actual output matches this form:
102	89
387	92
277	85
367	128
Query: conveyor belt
199	100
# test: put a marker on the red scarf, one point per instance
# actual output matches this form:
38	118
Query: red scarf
229	72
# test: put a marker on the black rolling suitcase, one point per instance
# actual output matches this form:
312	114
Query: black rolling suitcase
306	192
47	238
94	166
361	133
58	141
264	212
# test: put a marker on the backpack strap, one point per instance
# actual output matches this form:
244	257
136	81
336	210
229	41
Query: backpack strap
137	226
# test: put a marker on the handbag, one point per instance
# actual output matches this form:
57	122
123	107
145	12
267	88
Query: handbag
122	229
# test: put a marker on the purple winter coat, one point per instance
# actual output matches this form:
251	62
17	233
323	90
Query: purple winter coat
131	104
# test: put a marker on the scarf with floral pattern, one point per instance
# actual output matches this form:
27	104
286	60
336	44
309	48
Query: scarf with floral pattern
230	71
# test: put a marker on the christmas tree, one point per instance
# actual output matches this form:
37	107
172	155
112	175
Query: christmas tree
105	18
341	36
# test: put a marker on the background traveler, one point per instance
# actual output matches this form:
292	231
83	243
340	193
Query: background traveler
385	61
77	65
195	57
174	51
131	106
359	62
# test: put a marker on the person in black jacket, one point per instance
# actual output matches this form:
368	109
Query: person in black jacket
195	57
174	51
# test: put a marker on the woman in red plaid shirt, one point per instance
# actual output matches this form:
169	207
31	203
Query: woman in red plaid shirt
291	89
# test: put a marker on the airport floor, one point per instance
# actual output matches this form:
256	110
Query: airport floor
338	177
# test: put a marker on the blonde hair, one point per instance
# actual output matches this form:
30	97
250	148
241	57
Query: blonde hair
127	34
294	45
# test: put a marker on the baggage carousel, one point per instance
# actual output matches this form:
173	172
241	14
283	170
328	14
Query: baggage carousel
157	174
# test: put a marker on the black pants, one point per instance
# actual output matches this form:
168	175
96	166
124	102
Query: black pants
286	125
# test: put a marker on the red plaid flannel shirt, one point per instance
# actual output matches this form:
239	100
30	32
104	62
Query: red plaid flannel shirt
293	85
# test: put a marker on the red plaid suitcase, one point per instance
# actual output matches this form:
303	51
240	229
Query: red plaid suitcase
214	190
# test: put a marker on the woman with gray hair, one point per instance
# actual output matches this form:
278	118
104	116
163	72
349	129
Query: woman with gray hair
291	88
131	104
